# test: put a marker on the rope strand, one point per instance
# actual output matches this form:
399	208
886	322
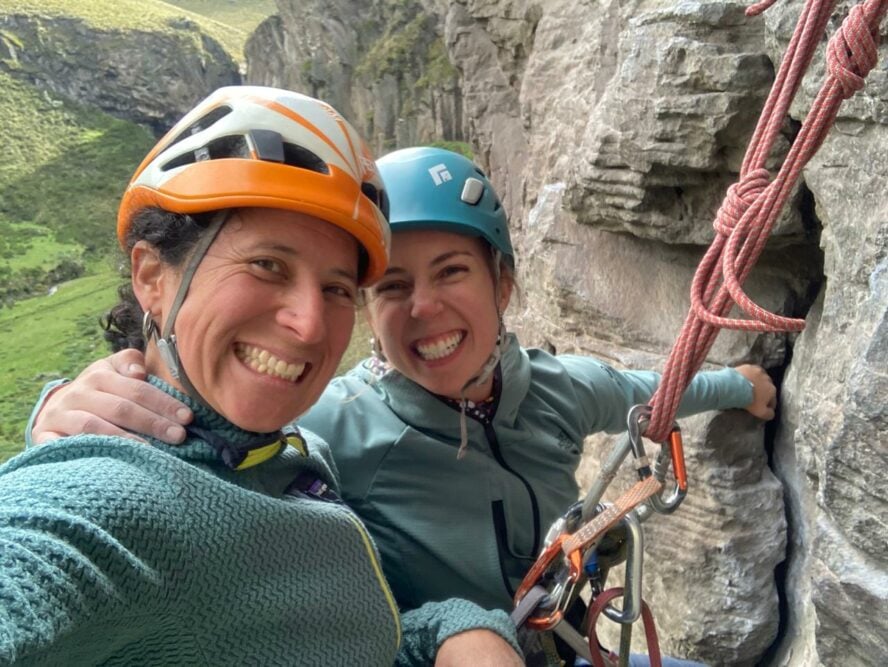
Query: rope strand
752	205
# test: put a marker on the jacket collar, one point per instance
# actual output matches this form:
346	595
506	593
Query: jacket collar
210	437
425	411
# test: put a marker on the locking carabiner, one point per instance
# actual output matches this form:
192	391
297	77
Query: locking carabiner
638	420
637	414
632	579
675	452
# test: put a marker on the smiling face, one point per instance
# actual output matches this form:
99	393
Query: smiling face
267	317
434	311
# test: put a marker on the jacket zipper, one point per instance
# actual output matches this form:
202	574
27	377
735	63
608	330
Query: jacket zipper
534	506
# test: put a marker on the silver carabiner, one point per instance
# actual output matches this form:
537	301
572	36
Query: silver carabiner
639	414
638	420
632	581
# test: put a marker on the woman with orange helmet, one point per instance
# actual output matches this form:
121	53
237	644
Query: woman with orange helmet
250	227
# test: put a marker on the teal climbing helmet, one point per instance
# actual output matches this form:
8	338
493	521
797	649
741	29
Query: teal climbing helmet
433	188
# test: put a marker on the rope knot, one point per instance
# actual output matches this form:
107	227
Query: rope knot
852	51
739	197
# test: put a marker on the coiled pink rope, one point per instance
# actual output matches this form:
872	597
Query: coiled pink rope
751	206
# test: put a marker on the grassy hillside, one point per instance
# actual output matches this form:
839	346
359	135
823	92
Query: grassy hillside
59	184
242	15
60	180
230	23
45	338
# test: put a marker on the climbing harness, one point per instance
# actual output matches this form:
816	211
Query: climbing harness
574	552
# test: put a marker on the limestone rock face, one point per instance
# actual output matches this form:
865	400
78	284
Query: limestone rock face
490	43
694	76
382	64
612	129
150	78
621	298
614	136
832	446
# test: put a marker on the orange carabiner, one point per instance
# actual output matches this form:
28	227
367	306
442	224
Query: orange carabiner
550	555
678	459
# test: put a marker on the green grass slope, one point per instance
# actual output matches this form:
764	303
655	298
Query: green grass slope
241	15
149	15
45	338
60	181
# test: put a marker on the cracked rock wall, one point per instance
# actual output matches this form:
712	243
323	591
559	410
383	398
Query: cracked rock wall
612	129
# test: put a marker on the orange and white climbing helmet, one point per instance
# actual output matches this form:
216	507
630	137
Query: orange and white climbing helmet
266	147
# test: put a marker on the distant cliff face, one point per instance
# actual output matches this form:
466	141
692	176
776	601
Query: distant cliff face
151	78
381	63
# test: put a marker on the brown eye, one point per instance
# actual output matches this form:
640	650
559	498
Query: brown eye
269	265
453	270
344	294
392	290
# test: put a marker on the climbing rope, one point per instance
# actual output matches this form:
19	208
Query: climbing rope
751	206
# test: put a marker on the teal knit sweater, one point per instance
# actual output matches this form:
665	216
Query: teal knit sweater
113	552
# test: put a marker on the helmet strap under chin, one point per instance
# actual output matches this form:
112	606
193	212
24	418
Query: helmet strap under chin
492	361
166	340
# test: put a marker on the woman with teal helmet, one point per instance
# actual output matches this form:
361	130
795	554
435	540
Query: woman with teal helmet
434	191
446	379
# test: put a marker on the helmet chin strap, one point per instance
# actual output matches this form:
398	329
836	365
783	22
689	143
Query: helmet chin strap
166	341
487	369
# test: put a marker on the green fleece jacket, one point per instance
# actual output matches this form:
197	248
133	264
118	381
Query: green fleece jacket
114	552
471	528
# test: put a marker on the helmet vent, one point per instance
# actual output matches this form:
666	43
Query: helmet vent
231	146
297	156
202	123
377	196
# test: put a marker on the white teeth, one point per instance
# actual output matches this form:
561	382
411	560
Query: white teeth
440	348
264	361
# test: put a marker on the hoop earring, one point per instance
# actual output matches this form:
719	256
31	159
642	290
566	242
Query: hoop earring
149	327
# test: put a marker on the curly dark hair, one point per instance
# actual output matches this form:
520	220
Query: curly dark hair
174	235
